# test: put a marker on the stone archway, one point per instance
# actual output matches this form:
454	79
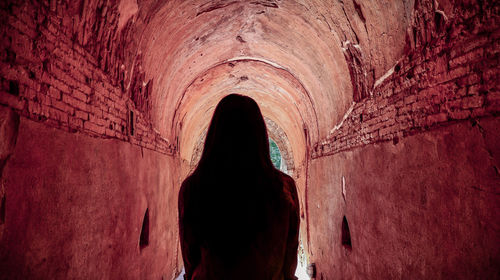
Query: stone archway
280	138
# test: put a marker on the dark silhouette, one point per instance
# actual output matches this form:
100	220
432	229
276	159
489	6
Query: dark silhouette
238	215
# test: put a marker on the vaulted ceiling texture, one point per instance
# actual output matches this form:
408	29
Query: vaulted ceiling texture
291	56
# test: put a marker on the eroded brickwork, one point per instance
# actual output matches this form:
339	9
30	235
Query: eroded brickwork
47	75
281	140
450	74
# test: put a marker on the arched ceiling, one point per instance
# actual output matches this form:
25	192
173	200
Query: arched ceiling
281	99
288	55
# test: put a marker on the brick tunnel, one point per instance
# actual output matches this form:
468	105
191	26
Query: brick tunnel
386	114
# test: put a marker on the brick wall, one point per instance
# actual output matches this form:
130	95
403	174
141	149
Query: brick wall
47	75
450	74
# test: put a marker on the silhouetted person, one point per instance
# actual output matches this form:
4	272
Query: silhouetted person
238	215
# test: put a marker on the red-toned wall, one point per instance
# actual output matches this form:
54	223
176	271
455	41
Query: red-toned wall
76	185
75	205
423	208
420	161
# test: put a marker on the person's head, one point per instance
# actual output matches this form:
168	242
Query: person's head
235	186
237	136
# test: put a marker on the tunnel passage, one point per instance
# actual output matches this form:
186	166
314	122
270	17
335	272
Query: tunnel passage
385	111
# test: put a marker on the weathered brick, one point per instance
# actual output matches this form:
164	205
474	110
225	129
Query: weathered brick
63	106
95	111
94	127
410	99
387	130
493	96
61	75
418	105
460	115
95	119
58	115
110	132
76	93
461	91
54	93
76	123
59	85
470	79
82	115
11	101
478	112
20	26
75	103
466	58
437	118
34	107
472	102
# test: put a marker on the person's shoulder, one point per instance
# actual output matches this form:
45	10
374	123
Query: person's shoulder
187	181
185	187
286	178
289	187
288	181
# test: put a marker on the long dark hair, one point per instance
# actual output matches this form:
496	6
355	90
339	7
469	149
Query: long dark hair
235	185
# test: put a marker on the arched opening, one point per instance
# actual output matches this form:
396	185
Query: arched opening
275	153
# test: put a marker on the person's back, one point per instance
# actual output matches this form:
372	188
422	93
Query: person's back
272	255
238	215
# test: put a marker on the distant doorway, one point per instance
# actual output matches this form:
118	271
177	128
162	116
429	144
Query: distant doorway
276	155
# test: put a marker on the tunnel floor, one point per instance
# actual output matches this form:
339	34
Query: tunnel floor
301	272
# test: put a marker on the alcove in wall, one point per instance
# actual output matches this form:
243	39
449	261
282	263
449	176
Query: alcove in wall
346	235
144	238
